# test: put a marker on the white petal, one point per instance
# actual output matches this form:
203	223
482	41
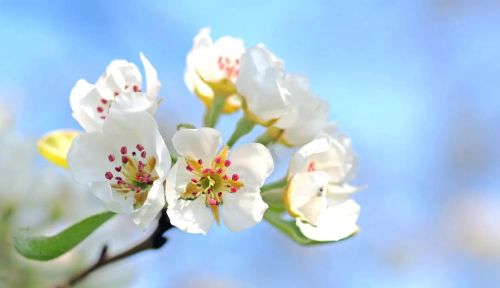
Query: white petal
152	81
84	100
260	82
113	201
207	59
307	114
336	223
306	195
243	209
300	160
88	157
253	163
200	143
120	74
128	102
339	193
152	206
331	154
190	216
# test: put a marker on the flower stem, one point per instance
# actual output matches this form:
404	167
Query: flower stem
278	184
267	139
155	241
243	127
213	112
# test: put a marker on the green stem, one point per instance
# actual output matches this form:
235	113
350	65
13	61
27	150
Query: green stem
243	127
213	112
278	184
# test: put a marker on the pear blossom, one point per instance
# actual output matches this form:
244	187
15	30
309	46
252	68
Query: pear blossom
213	67
318	194
125	165
261	83
207	179
118	89
307	114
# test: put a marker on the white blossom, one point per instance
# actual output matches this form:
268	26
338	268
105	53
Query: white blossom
318	194
125	165
214	66
118	89
205	179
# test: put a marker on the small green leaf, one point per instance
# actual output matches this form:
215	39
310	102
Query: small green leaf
291	230
48	248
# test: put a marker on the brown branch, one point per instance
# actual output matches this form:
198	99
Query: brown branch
155	241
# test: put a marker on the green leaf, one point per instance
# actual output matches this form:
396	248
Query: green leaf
48	248
291	230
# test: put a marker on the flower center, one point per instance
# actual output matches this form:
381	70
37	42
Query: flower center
105	104
134	173
230	67
211	181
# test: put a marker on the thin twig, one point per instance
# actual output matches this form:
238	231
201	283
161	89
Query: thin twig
155	241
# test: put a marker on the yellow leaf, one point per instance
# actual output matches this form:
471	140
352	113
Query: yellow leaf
54	146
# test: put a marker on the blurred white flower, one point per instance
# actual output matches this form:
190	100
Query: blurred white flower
318	195
125	165
261	83
204	179
213	67
119	89
307	114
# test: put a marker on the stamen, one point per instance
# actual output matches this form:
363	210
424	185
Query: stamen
235	177
136	88
194	180
104	101
219	170
124	159
219	194
116	93
234	189
141	166
123	150
143	154
212	201
200	161
108	175
111	157
227	163
312	167
139	147
100	109
118	168
218	159
189	168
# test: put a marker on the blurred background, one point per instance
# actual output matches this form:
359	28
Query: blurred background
414	83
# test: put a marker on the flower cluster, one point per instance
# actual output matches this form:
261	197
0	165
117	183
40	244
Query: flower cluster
124	159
